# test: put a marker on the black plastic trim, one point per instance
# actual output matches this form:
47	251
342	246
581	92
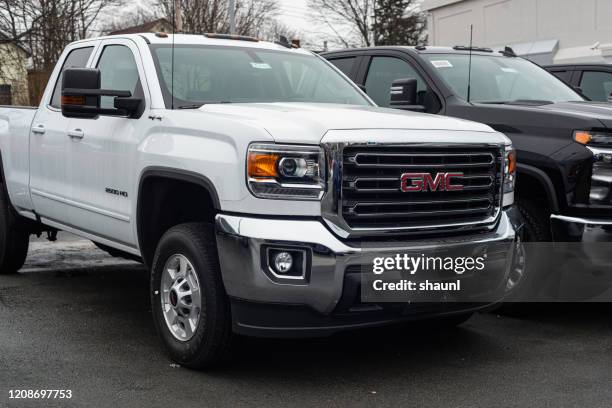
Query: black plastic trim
171	174
276	320
543	178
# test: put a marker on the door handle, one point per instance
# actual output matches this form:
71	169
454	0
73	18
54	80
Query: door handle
39	130
76	134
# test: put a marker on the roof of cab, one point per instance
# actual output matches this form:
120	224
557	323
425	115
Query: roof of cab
425	49
199	39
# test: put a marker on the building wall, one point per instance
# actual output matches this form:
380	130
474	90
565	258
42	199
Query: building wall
575	23
13	72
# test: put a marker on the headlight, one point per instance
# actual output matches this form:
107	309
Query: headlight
593	138
509	176
600	143
286	172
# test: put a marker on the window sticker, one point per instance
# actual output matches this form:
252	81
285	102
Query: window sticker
260	65
442	64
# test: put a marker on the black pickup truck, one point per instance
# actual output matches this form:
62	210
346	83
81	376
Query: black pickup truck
563	141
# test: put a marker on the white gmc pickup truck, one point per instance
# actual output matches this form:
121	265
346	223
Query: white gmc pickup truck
249	177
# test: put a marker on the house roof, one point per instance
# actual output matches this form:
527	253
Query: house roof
5	39
145	28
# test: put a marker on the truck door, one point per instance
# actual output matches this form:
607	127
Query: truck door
49	182
102	169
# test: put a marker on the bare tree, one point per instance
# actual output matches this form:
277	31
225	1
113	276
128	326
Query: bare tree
212	16
44	27
132	18
273	30
371	22
352	14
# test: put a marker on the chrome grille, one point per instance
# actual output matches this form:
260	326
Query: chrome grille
372	197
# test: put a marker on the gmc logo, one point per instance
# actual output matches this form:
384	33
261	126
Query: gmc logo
414	182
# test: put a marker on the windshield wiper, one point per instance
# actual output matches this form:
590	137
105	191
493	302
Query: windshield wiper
535	102
199	105
195	106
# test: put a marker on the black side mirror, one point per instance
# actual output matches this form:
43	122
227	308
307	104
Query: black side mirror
404	95
82	104
81	96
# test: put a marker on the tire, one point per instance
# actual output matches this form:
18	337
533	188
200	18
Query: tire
537	229
537	221
190	252
14	241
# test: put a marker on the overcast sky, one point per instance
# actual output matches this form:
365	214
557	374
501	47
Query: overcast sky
293	13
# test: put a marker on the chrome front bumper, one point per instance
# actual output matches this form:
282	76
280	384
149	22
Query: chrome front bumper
240	240
584	240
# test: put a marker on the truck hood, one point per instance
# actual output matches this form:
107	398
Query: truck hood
592	110
308	123
581	113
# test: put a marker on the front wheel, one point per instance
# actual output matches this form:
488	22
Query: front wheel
190	307
529	277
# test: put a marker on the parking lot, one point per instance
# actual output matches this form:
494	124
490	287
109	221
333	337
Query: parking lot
77	319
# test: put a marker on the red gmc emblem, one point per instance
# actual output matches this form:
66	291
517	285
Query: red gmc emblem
411	182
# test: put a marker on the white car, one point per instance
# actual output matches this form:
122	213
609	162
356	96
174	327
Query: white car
248	176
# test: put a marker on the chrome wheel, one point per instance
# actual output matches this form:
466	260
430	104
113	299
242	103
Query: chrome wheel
181	299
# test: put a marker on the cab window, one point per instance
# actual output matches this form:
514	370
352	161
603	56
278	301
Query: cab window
565	76
381	74
118	72
77	58
597	85
345	64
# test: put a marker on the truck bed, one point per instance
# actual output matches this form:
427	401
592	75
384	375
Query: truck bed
15	124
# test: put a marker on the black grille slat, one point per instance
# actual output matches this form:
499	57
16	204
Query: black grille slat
372	198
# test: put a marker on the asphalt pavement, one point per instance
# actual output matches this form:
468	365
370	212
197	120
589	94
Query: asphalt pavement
76	319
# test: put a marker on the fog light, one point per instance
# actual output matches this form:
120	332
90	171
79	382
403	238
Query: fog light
283	262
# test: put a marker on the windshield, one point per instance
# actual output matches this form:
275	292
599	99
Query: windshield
501	79
209	74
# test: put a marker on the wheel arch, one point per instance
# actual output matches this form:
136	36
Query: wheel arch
154	188
541	178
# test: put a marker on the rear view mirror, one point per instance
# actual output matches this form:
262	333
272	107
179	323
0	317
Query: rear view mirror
81	96
404	95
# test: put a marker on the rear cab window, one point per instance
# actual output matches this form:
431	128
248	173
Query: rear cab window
77	58
597	85
345	65
565	76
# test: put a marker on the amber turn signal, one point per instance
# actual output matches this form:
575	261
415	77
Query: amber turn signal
262	165
583	137
512	162
73	100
